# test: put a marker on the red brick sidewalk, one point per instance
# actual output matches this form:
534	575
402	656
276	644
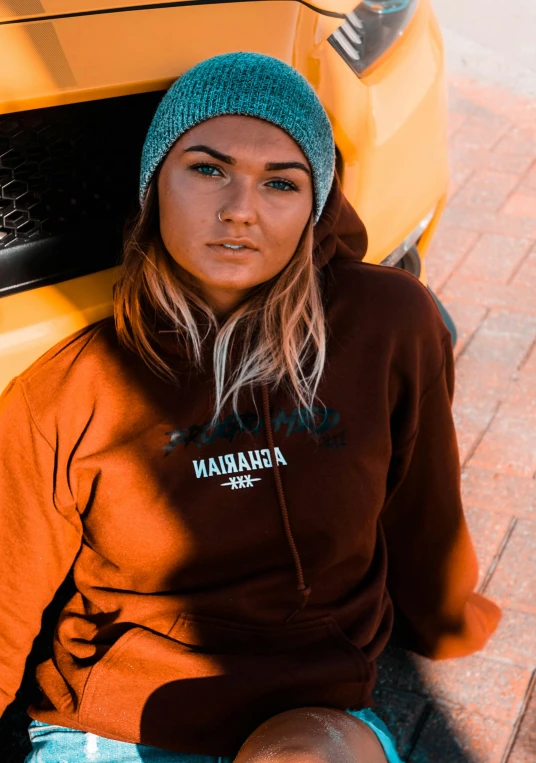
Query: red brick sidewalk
482	709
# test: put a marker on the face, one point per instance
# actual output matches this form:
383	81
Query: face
258	180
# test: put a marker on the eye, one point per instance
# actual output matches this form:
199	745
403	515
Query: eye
206	169
282	185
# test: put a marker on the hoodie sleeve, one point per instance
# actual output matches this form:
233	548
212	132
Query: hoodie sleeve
38	542
433	569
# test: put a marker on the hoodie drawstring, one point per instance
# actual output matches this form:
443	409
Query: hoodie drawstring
303	588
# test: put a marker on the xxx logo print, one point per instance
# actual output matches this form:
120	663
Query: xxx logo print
231	463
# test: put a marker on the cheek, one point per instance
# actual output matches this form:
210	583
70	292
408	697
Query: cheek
284	233
181	220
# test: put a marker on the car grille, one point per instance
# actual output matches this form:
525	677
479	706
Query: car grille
68	180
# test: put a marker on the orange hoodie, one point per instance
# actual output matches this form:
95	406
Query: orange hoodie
224	575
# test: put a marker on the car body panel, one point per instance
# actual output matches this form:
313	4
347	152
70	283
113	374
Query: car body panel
36	9
54	62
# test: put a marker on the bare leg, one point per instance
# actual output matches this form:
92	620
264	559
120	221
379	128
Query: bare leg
312	735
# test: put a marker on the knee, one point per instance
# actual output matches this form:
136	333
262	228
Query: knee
312	735
288	754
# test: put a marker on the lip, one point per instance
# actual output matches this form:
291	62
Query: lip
235	242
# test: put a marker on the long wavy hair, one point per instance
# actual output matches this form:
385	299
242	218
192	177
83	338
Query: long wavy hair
275	336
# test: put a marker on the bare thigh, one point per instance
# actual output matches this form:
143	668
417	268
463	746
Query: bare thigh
312	735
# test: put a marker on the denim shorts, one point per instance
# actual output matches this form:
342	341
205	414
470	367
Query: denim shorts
58	744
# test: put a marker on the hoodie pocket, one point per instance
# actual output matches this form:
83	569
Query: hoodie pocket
207	684
219	636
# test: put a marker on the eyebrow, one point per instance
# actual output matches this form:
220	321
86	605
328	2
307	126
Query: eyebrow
270	167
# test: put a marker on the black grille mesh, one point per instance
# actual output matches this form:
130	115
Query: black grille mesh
68	182
70	168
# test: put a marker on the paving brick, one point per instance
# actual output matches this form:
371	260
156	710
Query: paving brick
474	218
511	323
519	111
529	364
521	203
476	682
526	275
524	115
494	257
480	384
524	749
471	422
529	180
462	103
402	712
490	490
451	735
521	395
494	99
517	297
448	248
514	640
476	92
487	190
488	529
467	318
397	671
482	130
484	378
509	445
453	240
472	418
517	141
460	172
453	188
497	348
455	121
464	159
512	583
472	682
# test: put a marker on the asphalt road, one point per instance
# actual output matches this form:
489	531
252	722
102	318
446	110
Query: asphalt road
493	41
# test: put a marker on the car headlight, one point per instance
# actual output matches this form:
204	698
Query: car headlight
370	30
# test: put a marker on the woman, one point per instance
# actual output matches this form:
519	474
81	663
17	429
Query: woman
249	470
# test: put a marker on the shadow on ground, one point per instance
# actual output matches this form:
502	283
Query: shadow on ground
421	727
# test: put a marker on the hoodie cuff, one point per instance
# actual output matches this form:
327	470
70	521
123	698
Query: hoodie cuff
480	620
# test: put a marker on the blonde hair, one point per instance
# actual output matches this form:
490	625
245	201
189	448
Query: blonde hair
275	336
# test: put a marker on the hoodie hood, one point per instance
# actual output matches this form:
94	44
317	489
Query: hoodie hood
340	232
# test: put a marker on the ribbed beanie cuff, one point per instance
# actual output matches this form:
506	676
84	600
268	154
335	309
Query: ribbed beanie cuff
252	85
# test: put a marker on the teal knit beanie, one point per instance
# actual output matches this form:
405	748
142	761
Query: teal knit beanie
253	85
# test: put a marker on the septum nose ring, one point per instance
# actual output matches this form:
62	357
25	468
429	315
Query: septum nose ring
219	215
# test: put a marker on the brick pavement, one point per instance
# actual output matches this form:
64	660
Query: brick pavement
482	264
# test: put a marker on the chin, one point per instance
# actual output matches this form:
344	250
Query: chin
232	284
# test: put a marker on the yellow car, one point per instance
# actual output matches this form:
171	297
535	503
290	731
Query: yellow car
79	82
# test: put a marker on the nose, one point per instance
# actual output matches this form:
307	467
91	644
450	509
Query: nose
239	204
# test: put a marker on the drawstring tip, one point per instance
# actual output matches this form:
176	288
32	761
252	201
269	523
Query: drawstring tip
305	591
289	618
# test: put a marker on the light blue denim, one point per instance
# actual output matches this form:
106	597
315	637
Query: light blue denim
58	744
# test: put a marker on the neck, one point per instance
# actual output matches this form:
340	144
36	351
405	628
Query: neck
223	301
